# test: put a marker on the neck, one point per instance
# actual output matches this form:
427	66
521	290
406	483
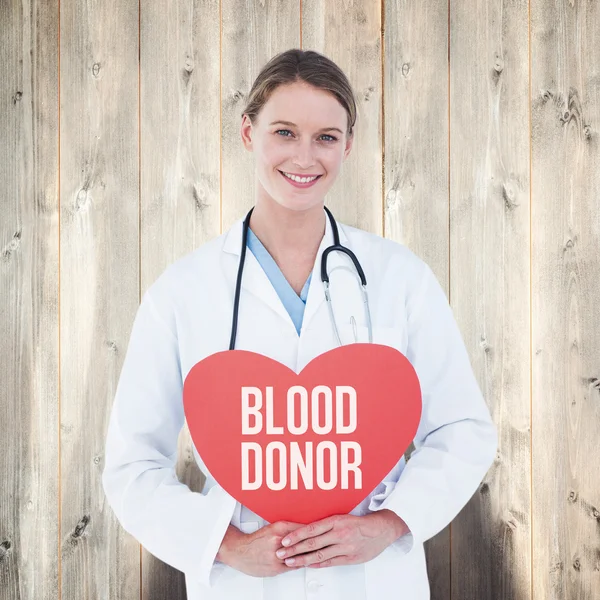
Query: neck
288	235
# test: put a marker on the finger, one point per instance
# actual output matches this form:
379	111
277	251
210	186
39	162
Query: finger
284	527
306	531
321	555
332	562
310	544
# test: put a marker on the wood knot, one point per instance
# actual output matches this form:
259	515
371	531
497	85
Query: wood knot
484	344
368	93
96	69
12	246
199	196
405	69
17	97
569	243
509	194
498	64
237	95
547	95
573	496
80	527
4	548
577	564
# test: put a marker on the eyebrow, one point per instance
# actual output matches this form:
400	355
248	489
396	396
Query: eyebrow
294	125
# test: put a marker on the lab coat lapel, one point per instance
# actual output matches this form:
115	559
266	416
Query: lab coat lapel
256	282
254	279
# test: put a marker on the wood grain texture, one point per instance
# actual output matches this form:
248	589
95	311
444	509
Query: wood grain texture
415	114
489	282
142	162
565	111
179	174
99	280
29	387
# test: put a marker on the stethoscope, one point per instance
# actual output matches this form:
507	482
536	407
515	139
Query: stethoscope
324	278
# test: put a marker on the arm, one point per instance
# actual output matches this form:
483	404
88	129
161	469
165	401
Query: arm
456	440
182	528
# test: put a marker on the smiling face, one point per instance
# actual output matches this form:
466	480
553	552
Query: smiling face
312	142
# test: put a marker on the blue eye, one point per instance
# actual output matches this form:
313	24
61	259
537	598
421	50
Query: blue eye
333	139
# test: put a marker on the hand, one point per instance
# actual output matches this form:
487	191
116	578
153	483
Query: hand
254	553
342	539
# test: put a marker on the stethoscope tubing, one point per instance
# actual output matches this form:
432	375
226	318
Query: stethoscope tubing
336	246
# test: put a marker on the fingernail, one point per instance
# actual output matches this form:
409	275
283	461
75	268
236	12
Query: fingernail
280	553
290	561
285	542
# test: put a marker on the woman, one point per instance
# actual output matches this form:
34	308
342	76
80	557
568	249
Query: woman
299	124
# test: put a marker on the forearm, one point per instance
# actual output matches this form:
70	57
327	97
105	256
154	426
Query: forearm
230	542
393	524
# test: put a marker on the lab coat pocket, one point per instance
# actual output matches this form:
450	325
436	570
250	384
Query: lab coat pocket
229	585
395	567
234	584
395	337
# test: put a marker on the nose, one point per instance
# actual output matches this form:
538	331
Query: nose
304	159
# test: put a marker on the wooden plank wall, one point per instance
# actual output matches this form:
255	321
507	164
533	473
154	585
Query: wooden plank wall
477	146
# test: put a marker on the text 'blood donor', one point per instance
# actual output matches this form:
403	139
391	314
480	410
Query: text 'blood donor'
310	463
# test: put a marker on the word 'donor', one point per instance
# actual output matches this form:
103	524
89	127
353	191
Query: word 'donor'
307	464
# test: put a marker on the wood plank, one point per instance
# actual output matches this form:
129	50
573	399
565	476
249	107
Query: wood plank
416	166
565	110
29	564
489	283
180	170
99	280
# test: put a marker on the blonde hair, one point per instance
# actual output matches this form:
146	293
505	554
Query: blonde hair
307	66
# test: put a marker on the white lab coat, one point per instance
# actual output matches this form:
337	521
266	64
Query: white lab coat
185	315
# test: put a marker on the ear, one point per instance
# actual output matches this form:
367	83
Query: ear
246	132
349	141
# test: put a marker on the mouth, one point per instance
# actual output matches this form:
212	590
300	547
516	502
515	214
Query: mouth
300	185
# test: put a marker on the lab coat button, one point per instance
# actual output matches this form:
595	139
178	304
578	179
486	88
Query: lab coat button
313	586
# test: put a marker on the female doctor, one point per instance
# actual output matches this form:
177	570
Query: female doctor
274	301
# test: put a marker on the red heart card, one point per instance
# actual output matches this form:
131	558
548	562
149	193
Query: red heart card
301	447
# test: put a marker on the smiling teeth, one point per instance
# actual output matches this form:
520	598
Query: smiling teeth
299	179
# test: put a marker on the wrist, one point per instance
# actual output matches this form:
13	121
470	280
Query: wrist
397	525
226	550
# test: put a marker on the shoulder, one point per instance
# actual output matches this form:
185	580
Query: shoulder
387	256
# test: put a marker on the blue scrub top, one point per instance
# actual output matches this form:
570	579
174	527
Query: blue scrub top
293	303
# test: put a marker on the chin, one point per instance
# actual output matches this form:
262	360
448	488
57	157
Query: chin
299	205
